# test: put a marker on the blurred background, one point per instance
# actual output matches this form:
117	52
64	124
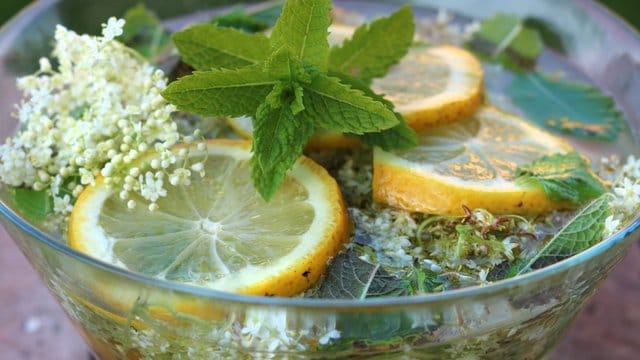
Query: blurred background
32	325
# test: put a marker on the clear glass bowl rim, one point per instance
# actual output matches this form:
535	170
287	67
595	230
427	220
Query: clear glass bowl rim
31	10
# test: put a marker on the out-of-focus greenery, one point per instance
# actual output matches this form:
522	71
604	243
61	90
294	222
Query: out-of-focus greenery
628	9
10	7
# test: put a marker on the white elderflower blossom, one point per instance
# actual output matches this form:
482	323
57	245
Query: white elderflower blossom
152	186
625	201
389	231
112	29
95	114
611	225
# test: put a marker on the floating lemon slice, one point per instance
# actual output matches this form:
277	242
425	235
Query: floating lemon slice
471	163
218	232
430	85
434	85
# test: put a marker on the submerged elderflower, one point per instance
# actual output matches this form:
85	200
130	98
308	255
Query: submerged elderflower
96	114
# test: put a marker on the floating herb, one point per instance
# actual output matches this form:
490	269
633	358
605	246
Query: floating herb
506	38
562	177
350	277
579	234
33	205
550	35
572	108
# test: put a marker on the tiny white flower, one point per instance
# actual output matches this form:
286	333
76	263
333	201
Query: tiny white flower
62	205
45	65
113	28
611	225
151	187
180	177
331	335
86	177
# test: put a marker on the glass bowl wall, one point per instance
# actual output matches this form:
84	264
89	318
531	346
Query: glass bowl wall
123	315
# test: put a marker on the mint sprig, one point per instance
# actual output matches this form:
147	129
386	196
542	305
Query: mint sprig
291	87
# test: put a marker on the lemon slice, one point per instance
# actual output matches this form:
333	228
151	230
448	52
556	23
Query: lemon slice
431	85
434	85
217	232
471	163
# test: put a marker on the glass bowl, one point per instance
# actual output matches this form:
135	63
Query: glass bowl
130	316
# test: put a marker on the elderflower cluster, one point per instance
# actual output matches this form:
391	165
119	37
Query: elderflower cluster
626	196
389	232
96	114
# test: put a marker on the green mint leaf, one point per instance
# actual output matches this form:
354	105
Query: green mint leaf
399	137
507	39
250	21
350	277
375	47
221	92
580	233
282	65
33	205
144	32
207	47
336	106
571	108
562	177
302	28
278	140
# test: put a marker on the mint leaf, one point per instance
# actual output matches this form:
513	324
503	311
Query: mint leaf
507	39
580	233
221	92
551	36
144	32
207	47
562	177
278	140
350	277
33	205
333	105
375	47
282	65
571	108
302	28
399	137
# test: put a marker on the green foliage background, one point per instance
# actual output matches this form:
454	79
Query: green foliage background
629	9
